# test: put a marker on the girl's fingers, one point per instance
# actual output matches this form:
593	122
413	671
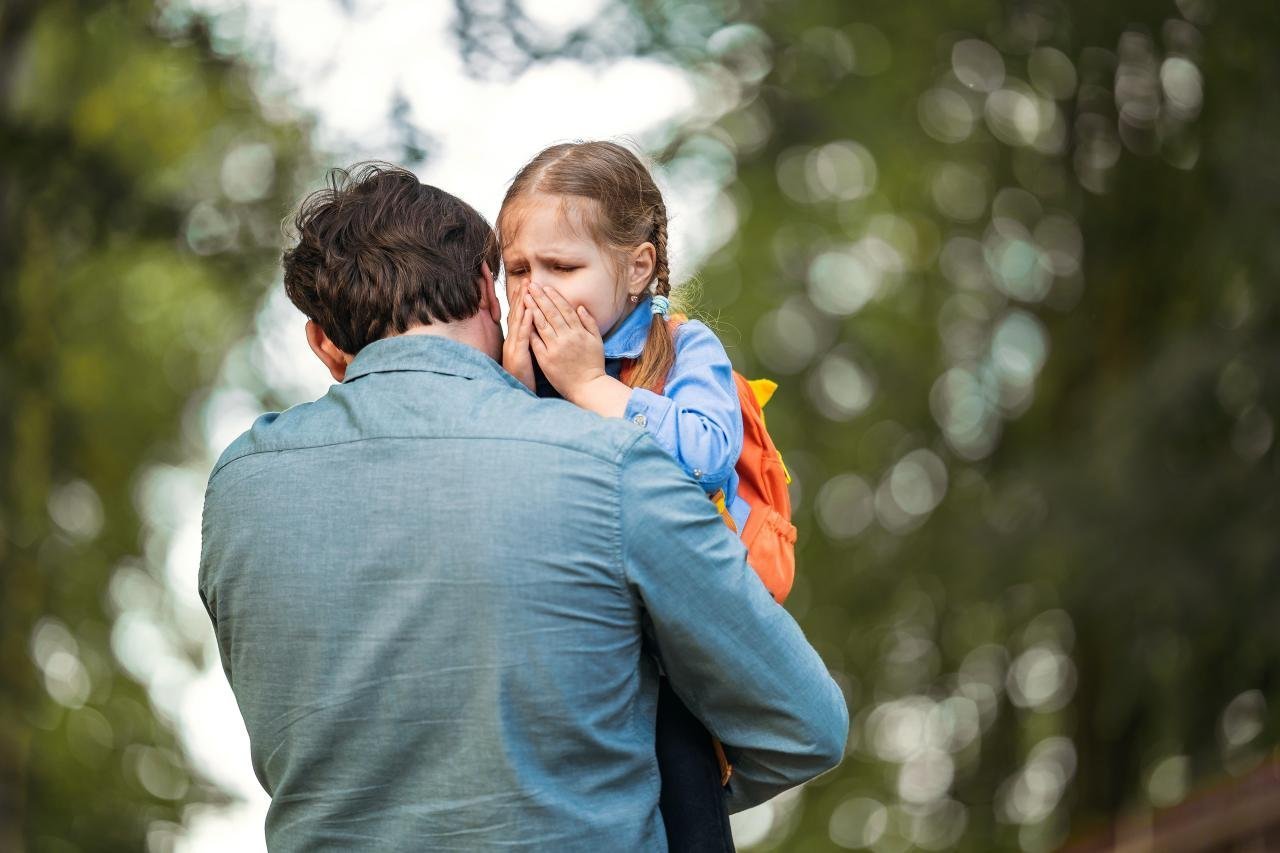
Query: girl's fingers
543	324
550	310
515	316
588	322
518	321
566	310
525	331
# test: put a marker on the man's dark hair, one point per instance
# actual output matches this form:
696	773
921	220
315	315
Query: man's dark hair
379	251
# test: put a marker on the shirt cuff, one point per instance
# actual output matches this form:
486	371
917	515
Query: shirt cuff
650	411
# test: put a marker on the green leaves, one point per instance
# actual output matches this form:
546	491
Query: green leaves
140	195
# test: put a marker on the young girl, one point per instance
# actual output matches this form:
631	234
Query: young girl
583	231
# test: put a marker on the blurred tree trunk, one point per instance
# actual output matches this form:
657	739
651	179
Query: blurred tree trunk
16	673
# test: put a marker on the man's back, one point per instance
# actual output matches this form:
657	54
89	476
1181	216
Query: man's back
421	594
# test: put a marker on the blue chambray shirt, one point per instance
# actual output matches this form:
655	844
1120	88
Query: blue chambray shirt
428	589
697	418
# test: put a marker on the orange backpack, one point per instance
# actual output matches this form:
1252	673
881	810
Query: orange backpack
768	534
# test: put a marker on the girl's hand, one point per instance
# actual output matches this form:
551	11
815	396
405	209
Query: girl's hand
568	344
516	356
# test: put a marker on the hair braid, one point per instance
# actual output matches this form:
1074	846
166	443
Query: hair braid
659	353
661	272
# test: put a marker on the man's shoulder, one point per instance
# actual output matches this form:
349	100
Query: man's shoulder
560	423
270	431
347	414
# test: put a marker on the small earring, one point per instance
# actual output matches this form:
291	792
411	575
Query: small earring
635	297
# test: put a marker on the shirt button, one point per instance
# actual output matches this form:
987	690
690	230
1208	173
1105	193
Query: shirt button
697	473
640	420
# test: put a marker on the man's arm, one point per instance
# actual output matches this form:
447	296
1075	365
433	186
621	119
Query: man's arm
736	658
206	585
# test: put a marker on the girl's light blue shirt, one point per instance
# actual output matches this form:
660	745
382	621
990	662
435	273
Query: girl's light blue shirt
697	418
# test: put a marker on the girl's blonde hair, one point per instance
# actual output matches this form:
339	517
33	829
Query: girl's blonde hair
628	211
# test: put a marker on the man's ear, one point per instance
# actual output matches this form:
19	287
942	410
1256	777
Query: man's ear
489	294
640	268
327	351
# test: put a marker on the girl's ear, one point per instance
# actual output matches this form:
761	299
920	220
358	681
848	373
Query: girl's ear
640	267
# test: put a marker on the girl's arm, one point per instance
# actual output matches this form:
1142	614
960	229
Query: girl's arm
697	419
603	395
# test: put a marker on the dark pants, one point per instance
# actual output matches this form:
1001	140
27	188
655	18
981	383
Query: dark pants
694	807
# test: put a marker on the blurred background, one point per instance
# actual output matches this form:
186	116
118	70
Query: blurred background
1014	265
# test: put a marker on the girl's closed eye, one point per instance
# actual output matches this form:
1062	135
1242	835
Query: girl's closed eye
559	264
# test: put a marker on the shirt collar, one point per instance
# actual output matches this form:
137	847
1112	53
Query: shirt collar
429	354
627	339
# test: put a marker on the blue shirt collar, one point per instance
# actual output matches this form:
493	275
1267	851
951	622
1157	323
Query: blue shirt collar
627	338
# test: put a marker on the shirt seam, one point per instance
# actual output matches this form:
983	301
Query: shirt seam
621	463
654	773
220	466
470	377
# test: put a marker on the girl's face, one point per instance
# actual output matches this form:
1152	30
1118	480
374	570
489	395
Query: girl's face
547	248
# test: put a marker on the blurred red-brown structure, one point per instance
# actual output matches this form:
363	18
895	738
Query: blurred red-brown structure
1235	815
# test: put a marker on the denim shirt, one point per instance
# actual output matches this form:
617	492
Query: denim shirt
429	589
697	419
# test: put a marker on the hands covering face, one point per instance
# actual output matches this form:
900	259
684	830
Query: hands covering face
516	357
566	341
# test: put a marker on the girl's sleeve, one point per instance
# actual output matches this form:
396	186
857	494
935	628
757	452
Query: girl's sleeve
697	419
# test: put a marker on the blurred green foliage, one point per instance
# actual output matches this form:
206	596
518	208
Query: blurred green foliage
1012	263
1014	266
141	192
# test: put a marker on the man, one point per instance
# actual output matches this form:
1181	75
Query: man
430	587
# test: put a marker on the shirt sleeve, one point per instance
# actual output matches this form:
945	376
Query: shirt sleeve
697	419
204	582
734	656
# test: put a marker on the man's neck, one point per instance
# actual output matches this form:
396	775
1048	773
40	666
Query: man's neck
467	332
